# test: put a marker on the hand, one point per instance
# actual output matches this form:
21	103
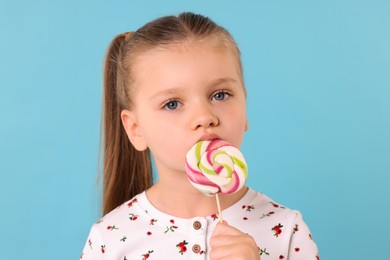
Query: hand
227	242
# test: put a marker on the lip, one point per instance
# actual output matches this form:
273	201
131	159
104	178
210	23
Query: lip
209	137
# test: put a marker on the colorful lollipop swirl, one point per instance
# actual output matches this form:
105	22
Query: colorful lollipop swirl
216	166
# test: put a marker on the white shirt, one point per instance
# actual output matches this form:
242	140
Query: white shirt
137	230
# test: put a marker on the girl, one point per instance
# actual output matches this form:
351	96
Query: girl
174	82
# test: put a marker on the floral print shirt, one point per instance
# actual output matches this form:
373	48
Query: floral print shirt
137	230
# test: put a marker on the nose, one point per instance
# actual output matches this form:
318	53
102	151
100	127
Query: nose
204	117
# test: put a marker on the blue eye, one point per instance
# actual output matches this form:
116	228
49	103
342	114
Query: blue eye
171	105
220	95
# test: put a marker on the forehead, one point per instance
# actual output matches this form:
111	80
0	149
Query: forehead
187	52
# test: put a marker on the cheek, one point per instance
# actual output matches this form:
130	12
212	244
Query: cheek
237	116
237	124
165	140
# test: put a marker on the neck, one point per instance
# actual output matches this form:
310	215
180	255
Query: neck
177	197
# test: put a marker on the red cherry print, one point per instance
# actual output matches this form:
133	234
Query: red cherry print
103	248
281	257
245	218
148	233
172	221
297	249
133	217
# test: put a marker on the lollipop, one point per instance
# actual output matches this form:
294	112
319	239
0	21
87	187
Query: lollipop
216	167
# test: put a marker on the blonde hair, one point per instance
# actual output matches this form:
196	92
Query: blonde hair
126	171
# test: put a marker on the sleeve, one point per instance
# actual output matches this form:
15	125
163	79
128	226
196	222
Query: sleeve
302	245
94	248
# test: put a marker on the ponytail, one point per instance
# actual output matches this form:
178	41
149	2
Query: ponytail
126	171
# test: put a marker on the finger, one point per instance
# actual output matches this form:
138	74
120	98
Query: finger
226	229
231	240
237	250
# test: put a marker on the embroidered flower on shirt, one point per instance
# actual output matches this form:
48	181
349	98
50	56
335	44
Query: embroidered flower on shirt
277	230
182	247
152	221
276	205
103	248
248	207
90	243
146	256
214	216
112	227
131	202
172	227
268	214
295	229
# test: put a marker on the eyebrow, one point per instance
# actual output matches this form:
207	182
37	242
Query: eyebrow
221	81
214	83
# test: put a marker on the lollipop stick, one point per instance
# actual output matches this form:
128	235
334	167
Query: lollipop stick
219	208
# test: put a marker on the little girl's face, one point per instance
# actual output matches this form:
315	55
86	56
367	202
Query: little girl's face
185	93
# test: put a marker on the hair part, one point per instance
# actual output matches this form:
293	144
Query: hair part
126	171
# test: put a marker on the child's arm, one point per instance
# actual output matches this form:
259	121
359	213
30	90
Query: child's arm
227	242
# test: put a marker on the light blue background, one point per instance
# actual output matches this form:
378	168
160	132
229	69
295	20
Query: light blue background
318	77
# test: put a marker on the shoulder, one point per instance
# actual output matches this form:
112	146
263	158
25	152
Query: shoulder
111	230
127	212
267	212
263	206
277	229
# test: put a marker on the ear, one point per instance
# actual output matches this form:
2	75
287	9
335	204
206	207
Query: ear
130	123
246	125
